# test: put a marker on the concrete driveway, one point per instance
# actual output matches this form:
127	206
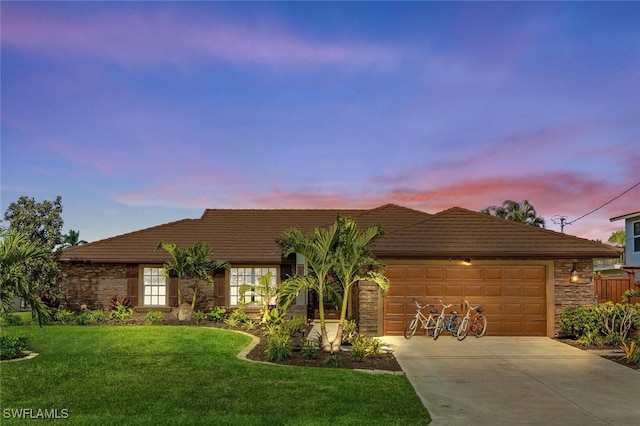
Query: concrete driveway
517	380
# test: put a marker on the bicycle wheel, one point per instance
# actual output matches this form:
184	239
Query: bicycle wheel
438	329
431	325
455	326
463	330
410	328
481	325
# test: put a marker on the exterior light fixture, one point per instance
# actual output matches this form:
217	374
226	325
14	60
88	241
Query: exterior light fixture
574	273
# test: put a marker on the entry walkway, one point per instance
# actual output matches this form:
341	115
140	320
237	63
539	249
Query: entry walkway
517	380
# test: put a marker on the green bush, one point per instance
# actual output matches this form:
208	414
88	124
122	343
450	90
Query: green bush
237	317
331	361
278	347
349	331
199	317
576	321
83	318
154	317
10	319
11	347
96	316
122	314
217	314
363	346
64	316
295	325
309	348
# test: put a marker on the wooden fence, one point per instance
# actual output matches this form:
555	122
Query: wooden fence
611	287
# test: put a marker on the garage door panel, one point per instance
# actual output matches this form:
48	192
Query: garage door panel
513	296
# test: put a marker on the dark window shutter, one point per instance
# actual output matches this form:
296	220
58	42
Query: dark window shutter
132	284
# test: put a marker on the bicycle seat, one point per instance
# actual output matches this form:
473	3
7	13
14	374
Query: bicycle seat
454	312
479	309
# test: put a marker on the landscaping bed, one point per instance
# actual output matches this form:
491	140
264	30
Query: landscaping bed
611	353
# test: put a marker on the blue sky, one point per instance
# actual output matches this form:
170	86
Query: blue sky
141	113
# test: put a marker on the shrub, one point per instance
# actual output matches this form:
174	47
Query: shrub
12	347
309	348
10	319
154	317
359	347
199	317
115	301
591	338
349	331
122	314
575	321
331	361
278	347
96	316
618	321
295	324
217	314
64	316
83	318
237	317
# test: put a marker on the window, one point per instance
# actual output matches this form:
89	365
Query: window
636	237
154	287
248	276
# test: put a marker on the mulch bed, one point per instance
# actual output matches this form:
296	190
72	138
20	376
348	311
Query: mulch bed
602	351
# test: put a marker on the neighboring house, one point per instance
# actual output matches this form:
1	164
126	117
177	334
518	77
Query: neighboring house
521	274
632	242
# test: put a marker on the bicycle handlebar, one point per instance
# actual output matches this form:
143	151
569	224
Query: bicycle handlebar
471	308
418	305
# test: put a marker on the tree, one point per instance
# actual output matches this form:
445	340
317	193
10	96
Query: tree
16	252
317	248
194	261
617	238
72	239
522	212
355	262
338	257
41	223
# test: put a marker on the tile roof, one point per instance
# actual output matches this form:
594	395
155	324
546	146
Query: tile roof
249	236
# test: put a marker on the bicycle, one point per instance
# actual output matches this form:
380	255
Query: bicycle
450	322
477	324
427	323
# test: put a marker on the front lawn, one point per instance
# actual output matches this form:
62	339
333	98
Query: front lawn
149	375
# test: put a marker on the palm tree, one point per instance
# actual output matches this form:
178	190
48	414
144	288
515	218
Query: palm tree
522	212
72	239
354	262
317	248
629	294
178	267
15	250
202	266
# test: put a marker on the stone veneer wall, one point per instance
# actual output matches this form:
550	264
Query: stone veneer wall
369	309
567	293
92	285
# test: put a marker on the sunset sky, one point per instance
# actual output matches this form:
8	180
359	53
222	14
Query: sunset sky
141	113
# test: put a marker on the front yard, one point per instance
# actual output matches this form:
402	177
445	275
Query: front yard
141	375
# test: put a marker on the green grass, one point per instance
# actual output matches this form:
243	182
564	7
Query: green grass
149	375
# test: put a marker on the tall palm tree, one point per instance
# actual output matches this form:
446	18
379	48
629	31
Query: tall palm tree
355	262
522	212
15	250
317	248
202	266
72	239
178	267
629	294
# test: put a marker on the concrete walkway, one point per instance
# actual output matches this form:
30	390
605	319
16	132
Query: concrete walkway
517	380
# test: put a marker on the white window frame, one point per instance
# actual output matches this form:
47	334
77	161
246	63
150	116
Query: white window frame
154	287
248	275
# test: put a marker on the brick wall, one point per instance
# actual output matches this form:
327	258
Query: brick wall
567	293
92	285
368	309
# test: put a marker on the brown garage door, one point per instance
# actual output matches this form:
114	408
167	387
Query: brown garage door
514	297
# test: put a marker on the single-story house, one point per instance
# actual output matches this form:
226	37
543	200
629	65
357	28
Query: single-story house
523	275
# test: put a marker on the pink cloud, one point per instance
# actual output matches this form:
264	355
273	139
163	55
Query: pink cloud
151	37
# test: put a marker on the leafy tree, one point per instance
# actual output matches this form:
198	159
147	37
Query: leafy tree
194	261
354	262
617	238
41	223
317	248
16	252
338	257
522	212
72	239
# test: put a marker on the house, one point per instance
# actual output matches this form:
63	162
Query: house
521	274
632	242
